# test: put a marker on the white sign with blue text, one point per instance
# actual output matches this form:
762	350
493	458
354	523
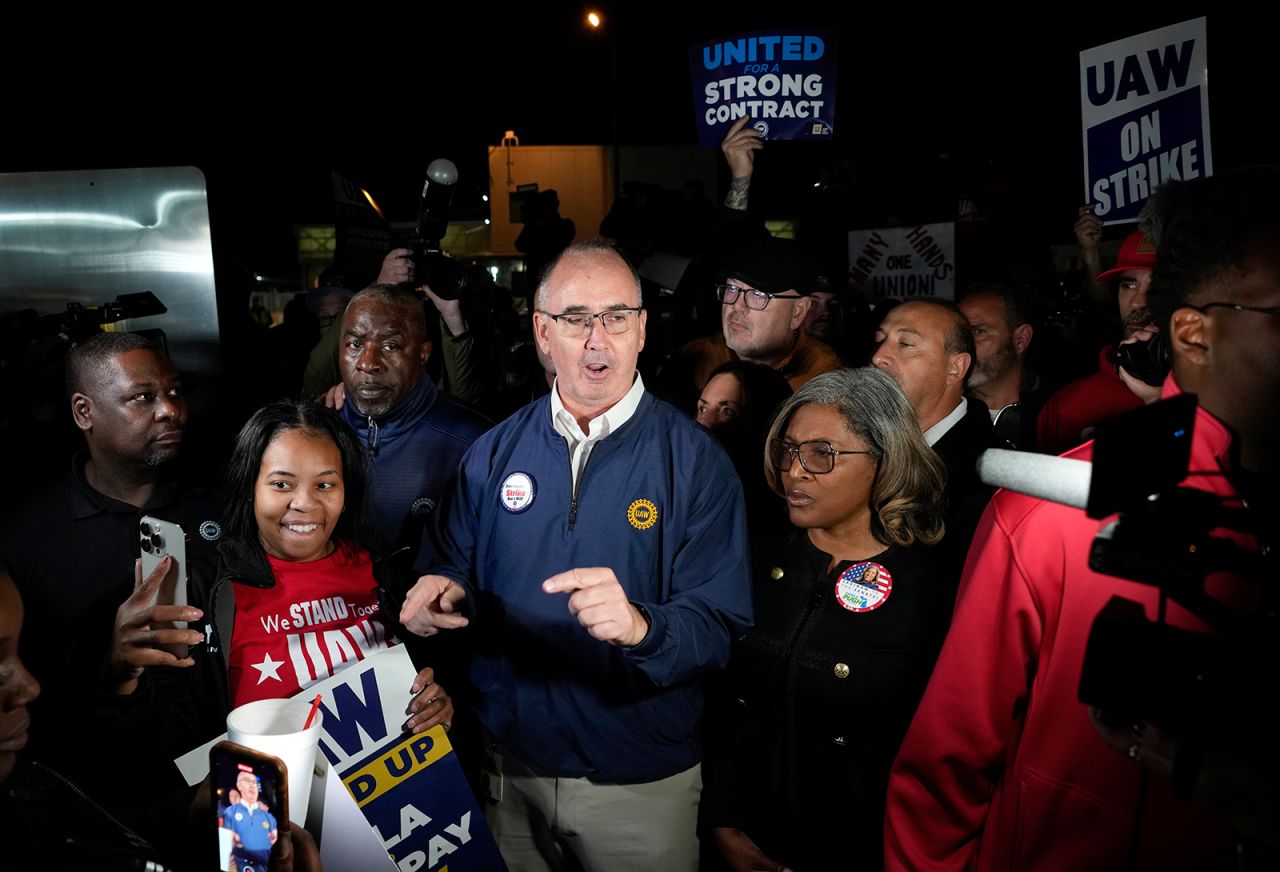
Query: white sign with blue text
1144	105
406	791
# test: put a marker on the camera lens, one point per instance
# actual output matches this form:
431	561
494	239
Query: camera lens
146	545
1147	360
145	528
158	541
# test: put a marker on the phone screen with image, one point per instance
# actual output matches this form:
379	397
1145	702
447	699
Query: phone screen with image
251	803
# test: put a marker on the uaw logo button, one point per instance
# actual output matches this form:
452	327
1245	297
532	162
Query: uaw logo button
642	514
517	492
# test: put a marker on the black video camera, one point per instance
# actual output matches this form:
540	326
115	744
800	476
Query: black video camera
1138	670
1148	360
447	278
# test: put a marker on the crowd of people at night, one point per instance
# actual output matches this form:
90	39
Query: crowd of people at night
696	578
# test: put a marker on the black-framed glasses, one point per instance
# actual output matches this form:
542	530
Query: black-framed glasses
817	456
578	324
1274	311
755	299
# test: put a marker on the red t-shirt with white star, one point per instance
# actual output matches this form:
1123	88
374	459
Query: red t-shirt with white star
320	617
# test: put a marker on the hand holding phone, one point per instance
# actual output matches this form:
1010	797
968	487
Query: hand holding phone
251	799
147	635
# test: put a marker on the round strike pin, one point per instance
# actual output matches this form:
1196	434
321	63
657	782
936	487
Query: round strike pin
517	492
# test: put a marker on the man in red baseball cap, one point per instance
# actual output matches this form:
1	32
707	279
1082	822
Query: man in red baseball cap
1072	411
1133	267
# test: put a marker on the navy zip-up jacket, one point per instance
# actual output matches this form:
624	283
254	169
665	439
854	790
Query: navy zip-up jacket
414	451
660	504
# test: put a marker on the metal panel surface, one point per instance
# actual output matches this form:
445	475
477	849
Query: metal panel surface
88	236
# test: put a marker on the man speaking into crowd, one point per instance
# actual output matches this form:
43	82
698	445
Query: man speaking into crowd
597	541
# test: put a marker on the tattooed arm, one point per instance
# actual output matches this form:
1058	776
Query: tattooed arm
739	146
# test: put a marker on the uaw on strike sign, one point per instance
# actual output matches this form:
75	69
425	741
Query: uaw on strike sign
1144	104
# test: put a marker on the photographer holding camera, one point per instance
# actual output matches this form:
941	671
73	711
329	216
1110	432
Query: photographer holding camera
1026	782
1072	411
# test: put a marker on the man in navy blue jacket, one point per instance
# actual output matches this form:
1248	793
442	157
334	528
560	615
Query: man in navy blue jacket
596	540
416	435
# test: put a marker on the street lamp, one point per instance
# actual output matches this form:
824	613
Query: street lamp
595	20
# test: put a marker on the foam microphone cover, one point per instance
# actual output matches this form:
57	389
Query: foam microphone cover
1057	479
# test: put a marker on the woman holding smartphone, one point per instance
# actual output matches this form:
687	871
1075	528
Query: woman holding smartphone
850	609
298	595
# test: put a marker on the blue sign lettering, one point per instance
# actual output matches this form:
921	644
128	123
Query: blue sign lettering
1172	64
342	725
762	48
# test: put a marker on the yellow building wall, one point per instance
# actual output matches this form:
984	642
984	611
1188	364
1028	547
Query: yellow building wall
582	176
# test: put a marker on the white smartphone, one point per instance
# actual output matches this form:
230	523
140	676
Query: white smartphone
157	538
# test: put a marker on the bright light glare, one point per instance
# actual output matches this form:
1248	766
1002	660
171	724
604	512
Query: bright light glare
593	19
372	203
484	197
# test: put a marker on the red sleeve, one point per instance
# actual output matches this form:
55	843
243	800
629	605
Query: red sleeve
958	745
1048	426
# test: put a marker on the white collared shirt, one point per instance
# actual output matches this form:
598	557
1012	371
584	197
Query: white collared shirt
580	444
938	430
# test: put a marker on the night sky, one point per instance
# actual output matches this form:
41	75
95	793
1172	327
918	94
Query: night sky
927	105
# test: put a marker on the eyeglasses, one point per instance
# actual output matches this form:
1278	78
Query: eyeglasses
1262	310
816	456
728	294
578	325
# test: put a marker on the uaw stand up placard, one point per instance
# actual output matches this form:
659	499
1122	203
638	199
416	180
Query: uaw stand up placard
390	800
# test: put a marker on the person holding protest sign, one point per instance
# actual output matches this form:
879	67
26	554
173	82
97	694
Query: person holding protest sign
1088	230
850	612
740	146
296	589
763	284
756	329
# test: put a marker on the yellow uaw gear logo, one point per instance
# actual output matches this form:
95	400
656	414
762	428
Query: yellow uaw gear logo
642	514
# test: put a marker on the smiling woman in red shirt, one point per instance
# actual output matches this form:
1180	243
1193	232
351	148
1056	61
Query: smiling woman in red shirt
296	562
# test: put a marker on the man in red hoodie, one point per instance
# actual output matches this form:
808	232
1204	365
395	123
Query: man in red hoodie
1002	767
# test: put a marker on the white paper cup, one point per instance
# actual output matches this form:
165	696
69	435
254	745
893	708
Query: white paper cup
274	726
